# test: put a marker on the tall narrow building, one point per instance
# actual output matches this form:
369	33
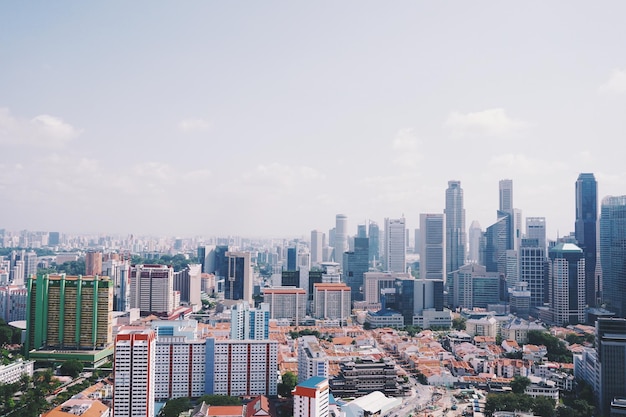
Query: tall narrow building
456	239
395	245
611	354
373	233
506	196
152	289
341	237
317	247
613	253
433	241
475	237
238	283
355	265
567	284
586	229
536	229
93	263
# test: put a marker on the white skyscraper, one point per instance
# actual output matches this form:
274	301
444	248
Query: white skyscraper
475	235
341	237
456	239
536	229
506	196
433	253
317	247
395	245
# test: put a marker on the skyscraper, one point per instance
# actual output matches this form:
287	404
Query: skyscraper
475	236
249	323
93	263
355	265
613	253
567	284
395	245
532	261
374	236
455	227
586	229
506	196
341	237
433	253
611	353
498	239
152	288
238	283
317	247
536	229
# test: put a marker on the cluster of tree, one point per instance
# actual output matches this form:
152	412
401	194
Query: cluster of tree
289	380
71	367
459	323
9	334
305	332
176	406
38	251
178	262
557	350
540	406
33	399
572	339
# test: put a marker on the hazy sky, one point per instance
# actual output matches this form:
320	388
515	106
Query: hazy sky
267	118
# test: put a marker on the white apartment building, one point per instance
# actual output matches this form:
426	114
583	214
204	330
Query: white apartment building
152	288
331	301
286	303
312	359
12	372
311	398
13	300
134	377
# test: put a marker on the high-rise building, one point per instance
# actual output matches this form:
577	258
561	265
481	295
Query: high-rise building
533	268
317	247
395	245
13	301
119	272
373	234
473	286
475	236
292	258
567	284
613	253
341	237
249	323
221	261
189	282
93	262
433	254
361	230
311	398
332	301
456	238
498	240
420	301
238	283
536	229
133	372
69	312
506	196
286	303
374	282
611	355
586	231
152	289
53	238
355	264
312	359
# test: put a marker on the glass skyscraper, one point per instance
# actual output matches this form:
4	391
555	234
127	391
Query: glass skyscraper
585	230
613	253
455	227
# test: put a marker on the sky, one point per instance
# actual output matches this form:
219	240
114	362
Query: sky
214	118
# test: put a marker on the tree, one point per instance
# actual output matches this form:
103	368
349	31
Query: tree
519	384
175	406
289	381
214	399
543	407
458	323
72	368
72	267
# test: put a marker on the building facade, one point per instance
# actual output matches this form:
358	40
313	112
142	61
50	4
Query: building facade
433	241
311	398
332	301
395	245
152	289
312	359
567	284
456	238
586	231
286	303
613	253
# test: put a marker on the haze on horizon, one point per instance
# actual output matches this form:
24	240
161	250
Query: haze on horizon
269	118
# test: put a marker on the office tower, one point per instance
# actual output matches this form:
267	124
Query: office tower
221	261
290	279
53	238
312	359
567	284
473	286
286	303
586	231
249	323
206	258
238	283
475	236
433	254
611	366
332	301
361	231
93	263
69	312
613	253
241	367
30	264
317	247
374	282
292	258
374	237
13	301
341	237
420	301
311	398
455	227
417	246
119	272
133	373
189	282
152	289
532	263
536	229
506	196
202	254
498	239
395	245
355	264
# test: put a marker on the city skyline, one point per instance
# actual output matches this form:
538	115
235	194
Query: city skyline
203	119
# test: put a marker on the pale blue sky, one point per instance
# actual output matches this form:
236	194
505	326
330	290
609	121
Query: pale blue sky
268	118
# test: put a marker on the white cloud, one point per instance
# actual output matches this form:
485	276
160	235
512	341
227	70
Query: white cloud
194	125
489	122
522	165
406	145
42	130
616	83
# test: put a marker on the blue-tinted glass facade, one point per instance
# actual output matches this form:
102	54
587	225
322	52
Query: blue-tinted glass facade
586	230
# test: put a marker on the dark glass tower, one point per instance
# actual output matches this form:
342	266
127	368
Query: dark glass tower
586	230
613	253
355	264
